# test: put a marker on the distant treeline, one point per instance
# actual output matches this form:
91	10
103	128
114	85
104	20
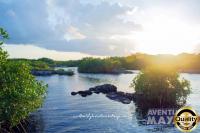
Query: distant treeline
46	63
183	62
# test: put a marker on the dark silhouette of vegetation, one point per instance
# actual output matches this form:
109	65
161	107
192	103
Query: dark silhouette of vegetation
20	92
161	86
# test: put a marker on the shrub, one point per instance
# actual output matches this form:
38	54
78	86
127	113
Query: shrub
20	92
159	85
97	65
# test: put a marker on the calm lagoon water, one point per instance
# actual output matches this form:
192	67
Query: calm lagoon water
62	112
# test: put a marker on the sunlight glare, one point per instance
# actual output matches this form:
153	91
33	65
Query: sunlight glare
165	35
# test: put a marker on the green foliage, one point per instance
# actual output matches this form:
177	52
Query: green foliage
159	85
3	35
183	63
47	61
96	65
20	92
39	65
70	63
34	64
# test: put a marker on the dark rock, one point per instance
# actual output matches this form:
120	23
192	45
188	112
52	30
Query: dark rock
73	93
88	92
92	89
112	95
110	91
125	101
97	92
84	93
106	88
120	97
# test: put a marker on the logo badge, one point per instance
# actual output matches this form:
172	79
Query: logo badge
186	119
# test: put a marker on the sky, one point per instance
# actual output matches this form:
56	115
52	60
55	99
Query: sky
73	29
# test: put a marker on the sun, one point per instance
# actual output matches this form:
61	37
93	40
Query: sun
166	35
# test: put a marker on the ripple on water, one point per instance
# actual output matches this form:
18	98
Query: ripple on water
59	109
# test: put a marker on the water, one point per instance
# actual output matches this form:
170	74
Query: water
60	110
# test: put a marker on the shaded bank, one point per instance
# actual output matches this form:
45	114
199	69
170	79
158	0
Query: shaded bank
52	72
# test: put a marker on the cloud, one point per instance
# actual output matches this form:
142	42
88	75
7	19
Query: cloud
30	51
73	34
97	27
25	21
70	25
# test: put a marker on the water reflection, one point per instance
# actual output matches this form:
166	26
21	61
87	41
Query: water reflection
36	122
91	79
141	114
59	106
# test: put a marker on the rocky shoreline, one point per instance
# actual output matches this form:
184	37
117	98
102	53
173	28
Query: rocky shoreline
51	72
110	91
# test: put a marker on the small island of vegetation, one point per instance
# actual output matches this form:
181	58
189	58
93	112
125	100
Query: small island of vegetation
113	65
47	72
43	67
160	86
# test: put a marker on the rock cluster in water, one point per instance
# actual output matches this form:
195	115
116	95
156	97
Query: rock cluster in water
110	91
